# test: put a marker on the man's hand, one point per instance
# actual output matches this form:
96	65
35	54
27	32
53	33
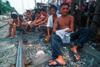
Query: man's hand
48	38
14	24
70	30
67	31
9	23
54	31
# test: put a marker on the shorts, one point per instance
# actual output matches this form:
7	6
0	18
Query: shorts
19	29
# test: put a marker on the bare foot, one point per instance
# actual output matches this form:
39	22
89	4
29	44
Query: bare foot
11	37
60	60
50	61
44	34
7	36
75	51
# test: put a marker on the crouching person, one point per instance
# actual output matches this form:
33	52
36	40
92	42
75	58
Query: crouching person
43	23
15	25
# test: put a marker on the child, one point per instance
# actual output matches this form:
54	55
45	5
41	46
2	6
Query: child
14	25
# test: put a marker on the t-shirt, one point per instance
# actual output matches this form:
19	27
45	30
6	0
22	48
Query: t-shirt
50	20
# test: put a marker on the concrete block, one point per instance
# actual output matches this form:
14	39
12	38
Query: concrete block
41	60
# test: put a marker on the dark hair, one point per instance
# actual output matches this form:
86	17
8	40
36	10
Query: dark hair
28	10
20	16
53	6
64	4
44	10
37	12
14	16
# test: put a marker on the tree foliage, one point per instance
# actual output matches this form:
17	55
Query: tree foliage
5	7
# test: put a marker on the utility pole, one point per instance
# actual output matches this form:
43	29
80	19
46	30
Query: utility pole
60	1
80	11
35	4
95	25
53	2
23	6
41	4
73	7
41	1
48	7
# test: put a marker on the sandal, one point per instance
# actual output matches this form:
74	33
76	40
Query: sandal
58	64
74	56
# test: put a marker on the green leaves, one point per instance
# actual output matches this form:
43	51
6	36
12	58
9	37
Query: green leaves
5	7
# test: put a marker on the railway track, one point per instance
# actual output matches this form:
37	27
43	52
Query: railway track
3	26
29	45
5	23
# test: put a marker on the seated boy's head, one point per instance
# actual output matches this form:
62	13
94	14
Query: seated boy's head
27	19
37	13
28	12
64	8
20	17
14	16
53	9
43	11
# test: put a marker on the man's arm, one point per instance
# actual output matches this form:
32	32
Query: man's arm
10	23
42	22
34	20
39	20
55	25
71	25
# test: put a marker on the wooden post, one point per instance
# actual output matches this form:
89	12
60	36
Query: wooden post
80	12
95	25
73	7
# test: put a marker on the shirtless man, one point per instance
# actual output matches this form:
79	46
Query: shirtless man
37	20
67	21
14	25
42	24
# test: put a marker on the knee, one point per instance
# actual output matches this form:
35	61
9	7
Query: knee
88	30
34	24
40	27
31	25
14	26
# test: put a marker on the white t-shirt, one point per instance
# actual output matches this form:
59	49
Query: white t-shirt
50	20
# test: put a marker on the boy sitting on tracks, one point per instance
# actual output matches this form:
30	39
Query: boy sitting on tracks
15	25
